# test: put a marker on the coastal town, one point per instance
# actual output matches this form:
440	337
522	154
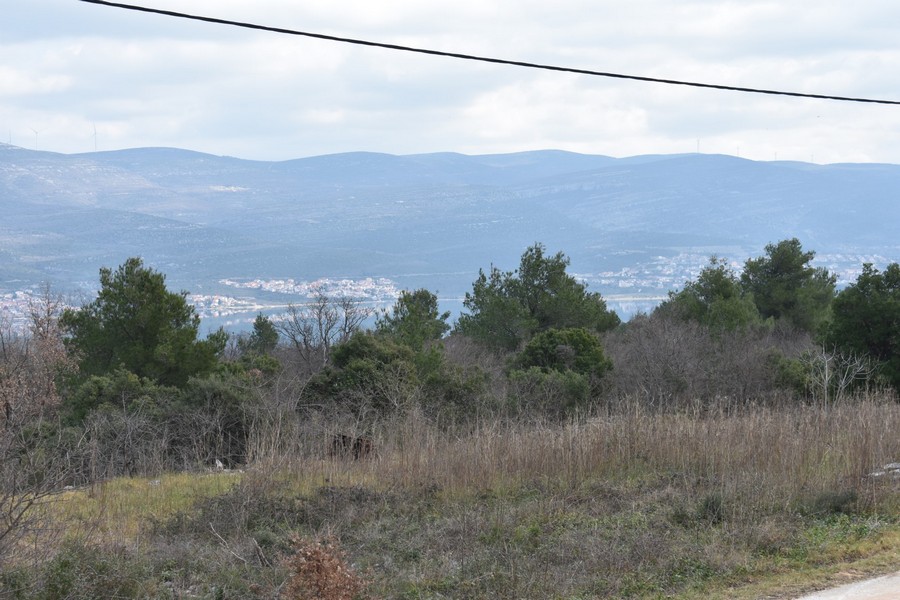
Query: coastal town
628	290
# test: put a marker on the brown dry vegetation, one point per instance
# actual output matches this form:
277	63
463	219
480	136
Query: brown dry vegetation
627	503
707	463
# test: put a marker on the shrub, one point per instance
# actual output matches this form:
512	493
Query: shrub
86	572
319	570
573	349
452	389
831	502
671	362
256	506
367	371
549	393
121	389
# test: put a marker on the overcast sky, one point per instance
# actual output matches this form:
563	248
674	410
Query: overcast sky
68	69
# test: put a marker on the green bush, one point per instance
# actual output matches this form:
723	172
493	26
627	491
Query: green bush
573	349
790	373
558	370
451	390
549	393
121	389
367	371
80	571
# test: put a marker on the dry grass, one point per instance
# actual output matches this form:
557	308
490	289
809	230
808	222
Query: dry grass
766	458
632	504
736	493
118	511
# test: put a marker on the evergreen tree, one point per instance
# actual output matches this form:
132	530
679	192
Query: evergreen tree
507	308
135	323
784	285
714	299
866	319
263	339
414	320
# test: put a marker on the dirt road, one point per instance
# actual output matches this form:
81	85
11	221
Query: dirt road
880	588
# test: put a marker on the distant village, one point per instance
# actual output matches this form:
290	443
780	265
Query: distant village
629	290
368	288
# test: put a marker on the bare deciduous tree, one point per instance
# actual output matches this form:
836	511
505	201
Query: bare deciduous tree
31	468
833	374
30	364
671	362
313	328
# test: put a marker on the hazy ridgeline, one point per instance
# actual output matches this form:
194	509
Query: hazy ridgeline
635	227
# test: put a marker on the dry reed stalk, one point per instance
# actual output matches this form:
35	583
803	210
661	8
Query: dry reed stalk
764	459
767	458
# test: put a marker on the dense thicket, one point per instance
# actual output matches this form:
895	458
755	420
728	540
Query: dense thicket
124	385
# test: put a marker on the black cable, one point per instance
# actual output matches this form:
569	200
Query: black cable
498	61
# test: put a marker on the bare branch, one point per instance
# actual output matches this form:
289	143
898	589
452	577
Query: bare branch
314	328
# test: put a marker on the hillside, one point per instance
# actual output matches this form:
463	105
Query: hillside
634	227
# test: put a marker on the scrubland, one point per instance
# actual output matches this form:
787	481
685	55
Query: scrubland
621	502
732	444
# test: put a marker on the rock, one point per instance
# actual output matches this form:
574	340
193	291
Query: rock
890	470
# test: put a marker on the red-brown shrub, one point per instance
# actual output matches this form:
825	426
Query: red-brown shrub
319	570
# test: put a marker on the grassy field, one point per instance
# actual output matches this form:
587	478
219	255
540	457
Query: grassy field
723	503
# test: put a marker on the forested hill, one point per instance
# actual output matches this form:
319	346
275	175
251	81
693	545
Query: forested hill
633	227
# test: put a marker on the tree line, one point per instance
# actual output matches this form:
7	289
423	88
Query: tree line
129	369
125	384
537	324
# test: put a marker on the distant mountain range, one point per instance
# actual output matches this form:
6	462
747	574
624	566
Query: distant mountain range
634	227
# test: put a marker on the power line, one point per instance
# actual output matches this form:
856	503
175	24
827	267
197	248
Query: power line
499	61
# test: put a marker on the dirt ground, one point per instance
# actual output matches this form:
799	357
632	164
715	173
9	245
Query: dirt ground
880	588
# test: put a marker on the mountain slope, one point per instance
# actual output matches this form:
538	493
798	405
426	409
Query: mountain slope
636	226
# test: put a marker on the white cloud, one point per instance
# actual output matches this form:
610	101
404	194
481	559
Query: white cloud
14	82
151	80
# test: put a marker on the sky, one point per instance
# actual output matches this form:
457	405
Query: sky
75	77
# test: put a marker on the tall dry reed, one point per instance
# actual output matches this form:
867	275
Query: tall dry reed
764	459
